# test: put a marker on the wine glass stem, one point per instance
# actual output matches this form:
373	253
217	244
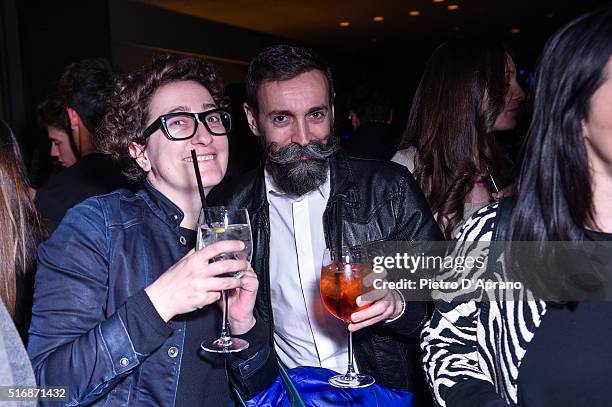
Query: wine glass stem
350	372
224	329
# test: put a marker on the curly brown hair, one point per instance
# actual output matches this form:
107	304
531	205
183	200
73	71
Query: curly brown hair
129	112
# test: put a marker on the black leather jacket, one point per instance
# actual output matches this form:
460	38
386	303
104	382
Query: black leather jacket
381	202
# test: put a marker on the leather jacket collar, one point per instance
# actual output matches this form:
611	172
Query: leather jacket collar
341	184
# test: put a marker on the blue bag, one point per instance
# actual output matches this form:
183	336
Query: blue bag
308	386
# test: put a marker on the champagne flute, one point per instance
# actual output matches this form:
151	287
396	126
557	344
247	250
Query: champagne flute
220	223
341	283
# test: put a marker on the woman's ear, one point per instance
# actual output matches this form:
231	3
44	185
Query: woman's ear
585	128
138	152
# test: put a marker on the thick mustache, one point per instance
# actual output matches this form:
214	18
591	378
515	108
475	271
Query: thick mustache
294	152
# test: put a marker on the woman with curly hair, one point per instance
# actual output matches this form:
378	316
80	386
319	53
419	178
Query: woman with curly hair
468	91
122	299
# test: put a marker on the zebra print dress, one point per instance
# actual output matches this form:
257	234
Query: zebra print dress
473	349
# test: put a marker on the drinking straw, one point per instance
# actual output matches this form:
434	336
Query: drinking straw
338	203
194	158
339	255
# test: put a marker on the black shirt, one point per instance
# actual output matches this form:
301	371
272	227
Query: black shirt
94	174
203	379
373	140
568	362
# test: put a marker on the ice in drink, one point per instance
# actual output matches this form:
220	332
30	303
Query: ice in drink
341	284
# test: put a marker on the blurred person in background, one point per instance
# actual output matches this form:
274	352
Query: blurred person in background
83	93
20	233
371	115
467	92
52	118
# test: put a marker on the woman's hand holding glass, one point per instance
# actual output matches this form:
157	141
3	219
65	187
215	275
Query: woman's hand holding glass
217	224
193	283
241	303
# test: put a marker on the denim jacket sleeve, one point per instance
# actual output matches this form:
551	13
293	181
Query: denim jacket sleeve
254	369
73	342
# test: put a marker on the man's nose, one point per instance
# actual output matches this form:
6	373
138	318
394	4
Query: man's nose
301	134
54	151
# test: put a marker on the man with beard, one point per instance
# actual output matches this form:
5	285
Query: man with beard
293	201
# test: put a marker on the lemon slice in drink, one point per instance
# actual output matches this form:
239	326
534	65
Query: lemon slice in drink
219	230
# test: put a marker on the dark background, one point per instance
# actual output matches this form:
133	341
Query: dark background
39	38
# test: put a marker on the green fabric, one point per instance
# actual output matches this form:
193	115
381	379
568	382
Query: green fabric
239	399
292	394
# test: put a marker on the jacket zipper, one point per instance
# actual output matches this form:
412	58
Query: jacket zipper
266	229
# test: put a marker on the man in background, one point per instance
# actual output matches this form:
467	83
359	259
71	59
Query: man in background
83	92
371	116
51	117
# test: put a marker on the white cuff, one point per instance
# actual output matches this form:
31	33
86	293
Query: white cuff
403	308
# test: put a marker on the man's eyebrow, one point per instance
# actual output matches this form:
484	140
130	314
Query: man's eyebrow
290	113
280	113
208	106
318	108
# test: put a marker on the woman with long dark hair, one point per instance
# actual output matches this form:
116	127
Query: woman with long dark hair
543	349
19	234
468	90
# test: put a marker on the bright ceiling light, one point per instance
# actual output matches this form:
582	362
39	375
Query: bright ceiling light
344	23
438	1
415	13
378	19
453	7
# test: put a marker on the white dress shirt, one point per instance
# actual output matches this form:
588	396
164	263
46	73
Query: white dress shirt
305	334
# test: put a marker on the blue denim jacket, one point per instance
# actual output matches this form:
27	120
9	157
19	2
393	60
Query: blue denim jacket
106	251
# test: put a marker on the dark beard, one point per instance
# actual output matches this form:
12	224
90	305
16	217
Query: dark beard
295	176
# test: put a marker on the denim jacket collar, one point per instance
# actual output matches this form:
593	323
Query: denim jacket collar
162	206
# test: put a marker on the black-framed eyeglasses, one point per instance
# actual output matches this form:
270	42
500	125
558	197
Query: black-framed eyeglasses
183	125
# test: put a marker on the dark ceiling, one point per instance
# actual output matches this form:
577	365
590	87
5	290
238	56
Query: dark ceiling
316	21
